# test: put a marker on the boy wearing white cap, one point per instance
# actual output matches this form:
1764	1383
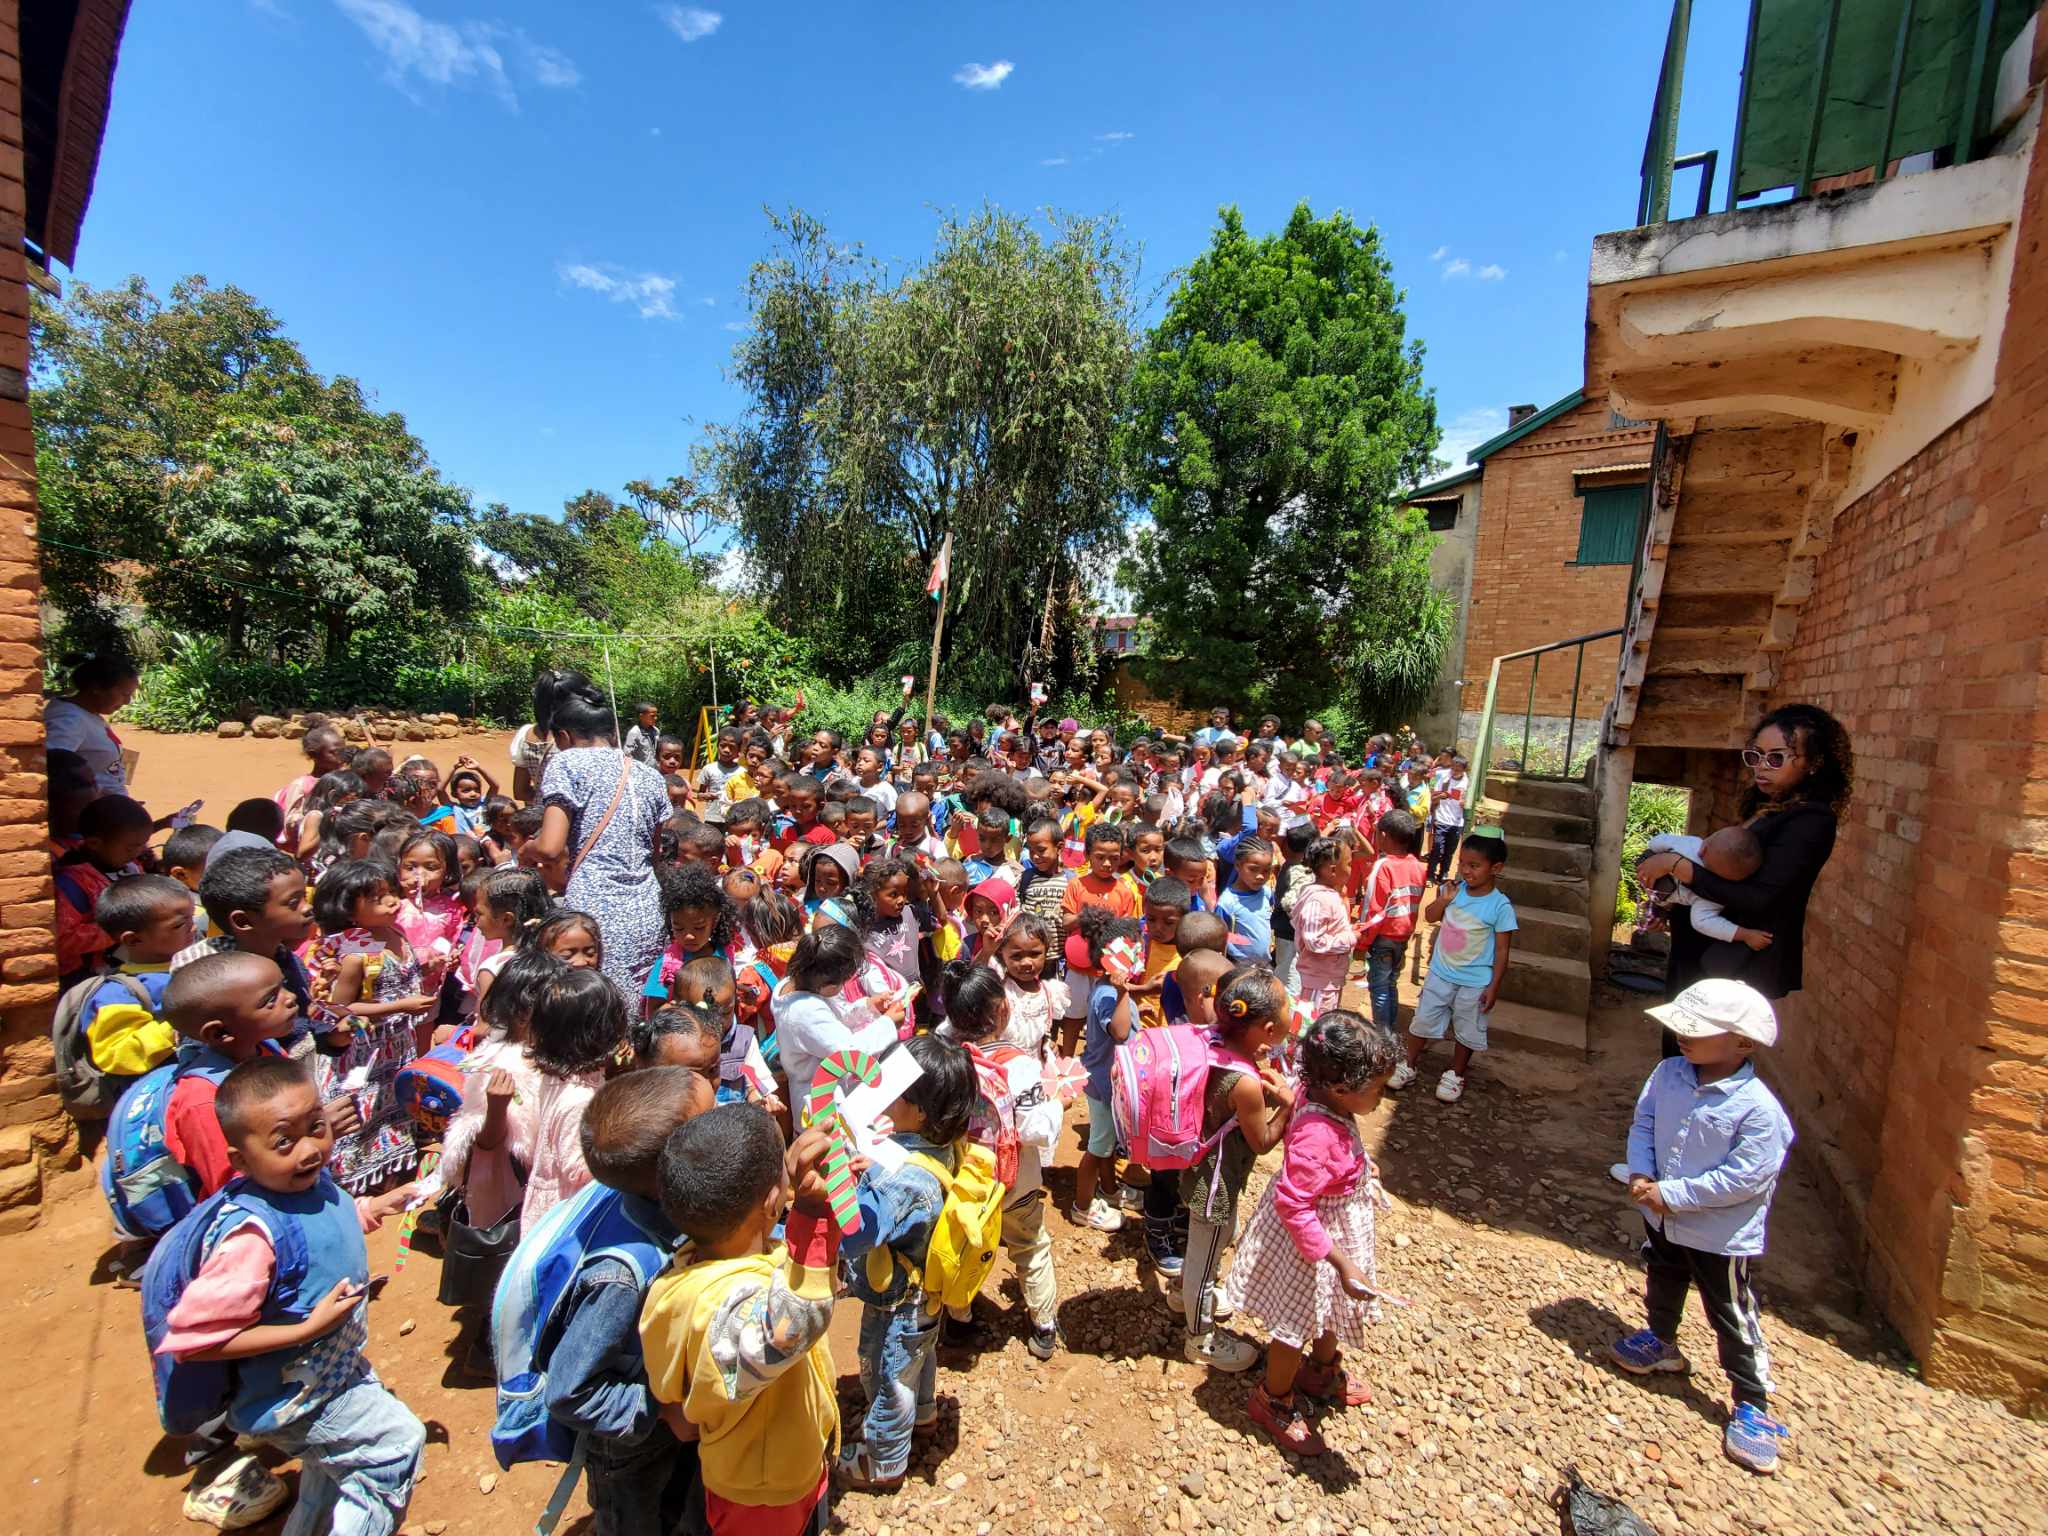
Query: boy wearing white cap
1704	1153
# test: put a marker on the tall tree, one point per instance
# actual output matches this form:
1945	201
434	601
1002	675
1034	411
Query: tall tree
1278	412
977	395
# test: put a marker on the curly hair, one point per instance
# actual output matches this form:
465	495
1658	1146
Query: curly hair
1818	737
866	919
696	886
1343	1049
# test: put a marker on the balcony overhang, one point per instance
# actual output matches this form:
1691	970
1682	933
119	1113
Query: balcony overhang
1877	310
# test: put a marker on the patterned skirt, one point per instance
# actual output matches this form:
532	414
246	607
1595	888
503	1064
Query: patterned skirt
1298	1302
384	1147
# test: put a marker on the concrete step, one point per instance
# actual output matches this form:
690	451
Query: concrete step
1565	934
1568	796
1534	888
1547	1030
1551	857
1518	821
1548	981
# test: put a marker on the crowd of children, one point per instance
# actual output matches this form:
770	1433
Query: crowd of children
366	995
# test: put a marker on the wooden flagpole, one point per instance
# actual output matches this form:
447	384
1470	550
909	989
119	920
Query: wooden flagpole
931	686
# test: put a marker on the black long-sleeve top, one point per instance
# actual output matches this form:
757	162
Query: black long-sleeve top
1797	842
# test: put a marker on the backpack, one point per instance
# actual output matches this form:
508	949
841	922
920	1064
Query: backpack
1157	1083
591	1224
148	1190
993	1123
962	1252
88	1093
191	1392
430	1086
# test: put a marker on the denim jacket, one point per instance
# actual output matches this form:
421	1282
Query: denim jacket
597	1375
883	1262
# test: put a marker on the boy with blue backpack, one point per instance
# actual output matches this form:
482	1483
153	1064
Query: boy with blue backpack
566	1320
254	1304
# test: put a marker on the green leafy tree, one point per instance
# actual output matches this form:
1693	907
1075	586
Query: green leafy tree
977	395
1277	414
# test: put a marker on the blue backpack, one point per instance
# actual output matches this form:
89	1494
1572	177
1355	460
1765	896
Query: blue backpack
189	1393
147	1189
590	1225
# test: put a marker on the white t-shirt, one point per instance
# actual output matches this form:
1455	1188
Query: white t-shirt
1033	1014
809	1028
882	792
74	728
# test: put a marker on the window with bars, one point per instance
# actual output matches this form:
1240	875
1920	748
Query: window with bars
1610	521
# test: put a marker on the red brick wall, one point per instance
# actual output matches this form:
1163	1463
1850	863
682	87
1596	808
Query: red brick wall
1525	589
35	1135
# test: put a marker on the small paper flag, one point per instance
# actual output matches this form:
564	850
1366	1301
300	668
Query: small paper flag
1121	960
755	1066
838	1070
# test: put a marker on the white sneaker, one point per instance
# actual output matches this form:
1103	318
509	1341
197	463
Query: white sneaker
1450	1087
1222	1351
1100	1216
1131	1198
1403	1076
1219	1306
241	1493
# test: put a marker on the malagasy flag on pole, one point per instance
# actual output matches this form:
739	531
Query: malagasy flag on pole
942	569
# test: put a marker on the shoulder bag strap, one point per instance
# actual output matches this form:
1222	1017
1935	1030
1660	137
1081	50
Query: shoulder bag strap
618	794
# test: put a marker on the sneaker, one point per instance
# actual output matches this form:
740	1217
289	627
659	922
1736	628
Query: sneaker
1169	1264
969	1333
1403	1076
1131	1198
853	1470
1099	1216
1222	1352
1644	1354
1219	1306
1751	1438
1450	1087
242	1493
1282	1419
1331	1384
1045	1342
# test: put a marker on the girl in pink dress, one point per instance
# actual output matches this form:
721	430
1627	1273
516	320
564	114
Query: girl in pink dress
1305	1264
1323	933
430	879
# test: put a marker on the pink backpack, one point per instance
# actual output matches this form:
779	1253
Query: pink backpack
1156	1086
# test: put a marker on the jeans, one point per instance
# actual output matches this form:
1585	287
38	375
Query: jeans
899	1371
1166	1219
644	1489
1382	972
358	1455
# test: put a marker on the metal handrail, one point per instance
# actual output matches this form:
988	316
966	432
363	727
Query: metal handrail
1482	754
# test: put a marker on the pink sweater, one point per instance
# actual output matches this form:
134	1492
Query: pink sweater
1322	1157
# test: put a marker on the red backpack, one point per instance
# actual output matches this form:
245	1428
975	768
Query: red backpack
993	1123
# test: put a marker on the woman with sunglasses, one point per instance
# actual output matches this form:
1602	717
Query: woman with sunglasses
1801	768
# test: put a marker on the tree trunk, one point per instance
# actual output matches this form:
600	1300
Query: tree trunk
335	644
238	625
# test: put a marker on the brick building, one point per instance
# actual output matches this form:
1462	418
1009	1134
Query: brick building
56	73
1536	539
1849	507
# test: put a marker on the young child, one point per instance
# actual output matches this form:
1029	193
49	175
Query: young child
1324	935
708	986
112	830
809	1022
643	736
468	789
977	999
641	1477
1112	1015
734	1329
1099	886
1247	906
700	922
1167	901
1389	899
885	919
573	938
577	1029
1037	1002
1733	853
432	916
118	1032
1446	813
883	1264
1240	1087
511	904
296	1338
1293	878
1305	1266
1704	1153
185	851
1477	922
368	999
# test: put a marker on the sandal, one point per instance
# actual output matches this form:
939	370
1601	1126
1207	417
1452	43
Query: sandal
853	1470
1331	1383
242	1493
1282	1419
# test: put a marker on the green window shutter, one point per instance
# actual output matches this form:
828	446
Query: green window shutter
1609	522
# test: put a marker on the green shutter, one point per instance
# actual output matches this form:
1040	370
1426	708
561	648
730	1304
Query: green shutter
1609	523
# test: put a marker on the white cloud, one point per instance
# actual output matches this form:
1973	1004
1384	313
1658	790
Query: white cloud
448	54
708	302
689	22
984	77
648	292
738	327
1466	431
1492	273
1119	137
1054	160
1440	253
1457	267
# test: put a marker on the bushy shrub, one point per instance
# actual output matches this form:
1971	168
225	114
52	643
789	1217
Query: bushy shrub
1653	811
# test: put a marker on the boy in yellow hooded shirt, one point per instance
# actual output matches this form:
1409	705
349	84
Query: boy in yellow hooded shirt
734	1329
116	1030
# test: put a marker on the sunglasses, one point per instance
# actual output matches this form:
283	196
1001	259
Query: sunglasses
1777	757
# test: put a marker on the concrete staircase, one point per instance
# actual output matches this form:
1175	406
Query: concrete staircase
1549	987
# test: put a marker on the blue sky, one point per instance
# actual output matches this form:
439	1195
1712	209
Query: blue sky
527	226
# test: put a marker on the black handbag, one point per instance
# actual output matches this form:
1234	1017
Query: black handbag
472	1257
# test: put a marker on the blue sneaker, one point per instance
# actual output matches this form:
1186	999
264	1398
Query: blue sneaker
1169	1264
1644	1354
1751	1438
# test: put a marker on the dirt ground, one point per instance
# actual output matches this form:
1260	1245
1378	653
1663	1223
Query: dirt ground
1507	1236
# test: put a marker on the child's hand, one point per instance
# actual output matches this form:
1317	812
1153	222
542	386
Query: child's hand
806	1164
1350	1276
342	1115
1755	938
332	1310
391	1202
499	1088
1489	997
889	1005
1278	1088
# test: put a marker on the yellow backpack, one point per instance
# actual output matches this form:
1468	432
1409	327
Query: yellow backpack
969	1229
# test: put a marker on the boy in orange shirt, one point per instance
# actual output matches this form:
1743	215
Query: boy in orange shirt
1101	884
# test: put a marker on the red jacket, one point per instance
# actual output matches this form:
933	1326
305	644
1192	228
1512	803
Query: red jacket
1393	895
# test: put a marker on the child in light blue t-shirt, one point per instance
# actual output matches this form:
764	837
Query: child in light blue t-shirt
1474	936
